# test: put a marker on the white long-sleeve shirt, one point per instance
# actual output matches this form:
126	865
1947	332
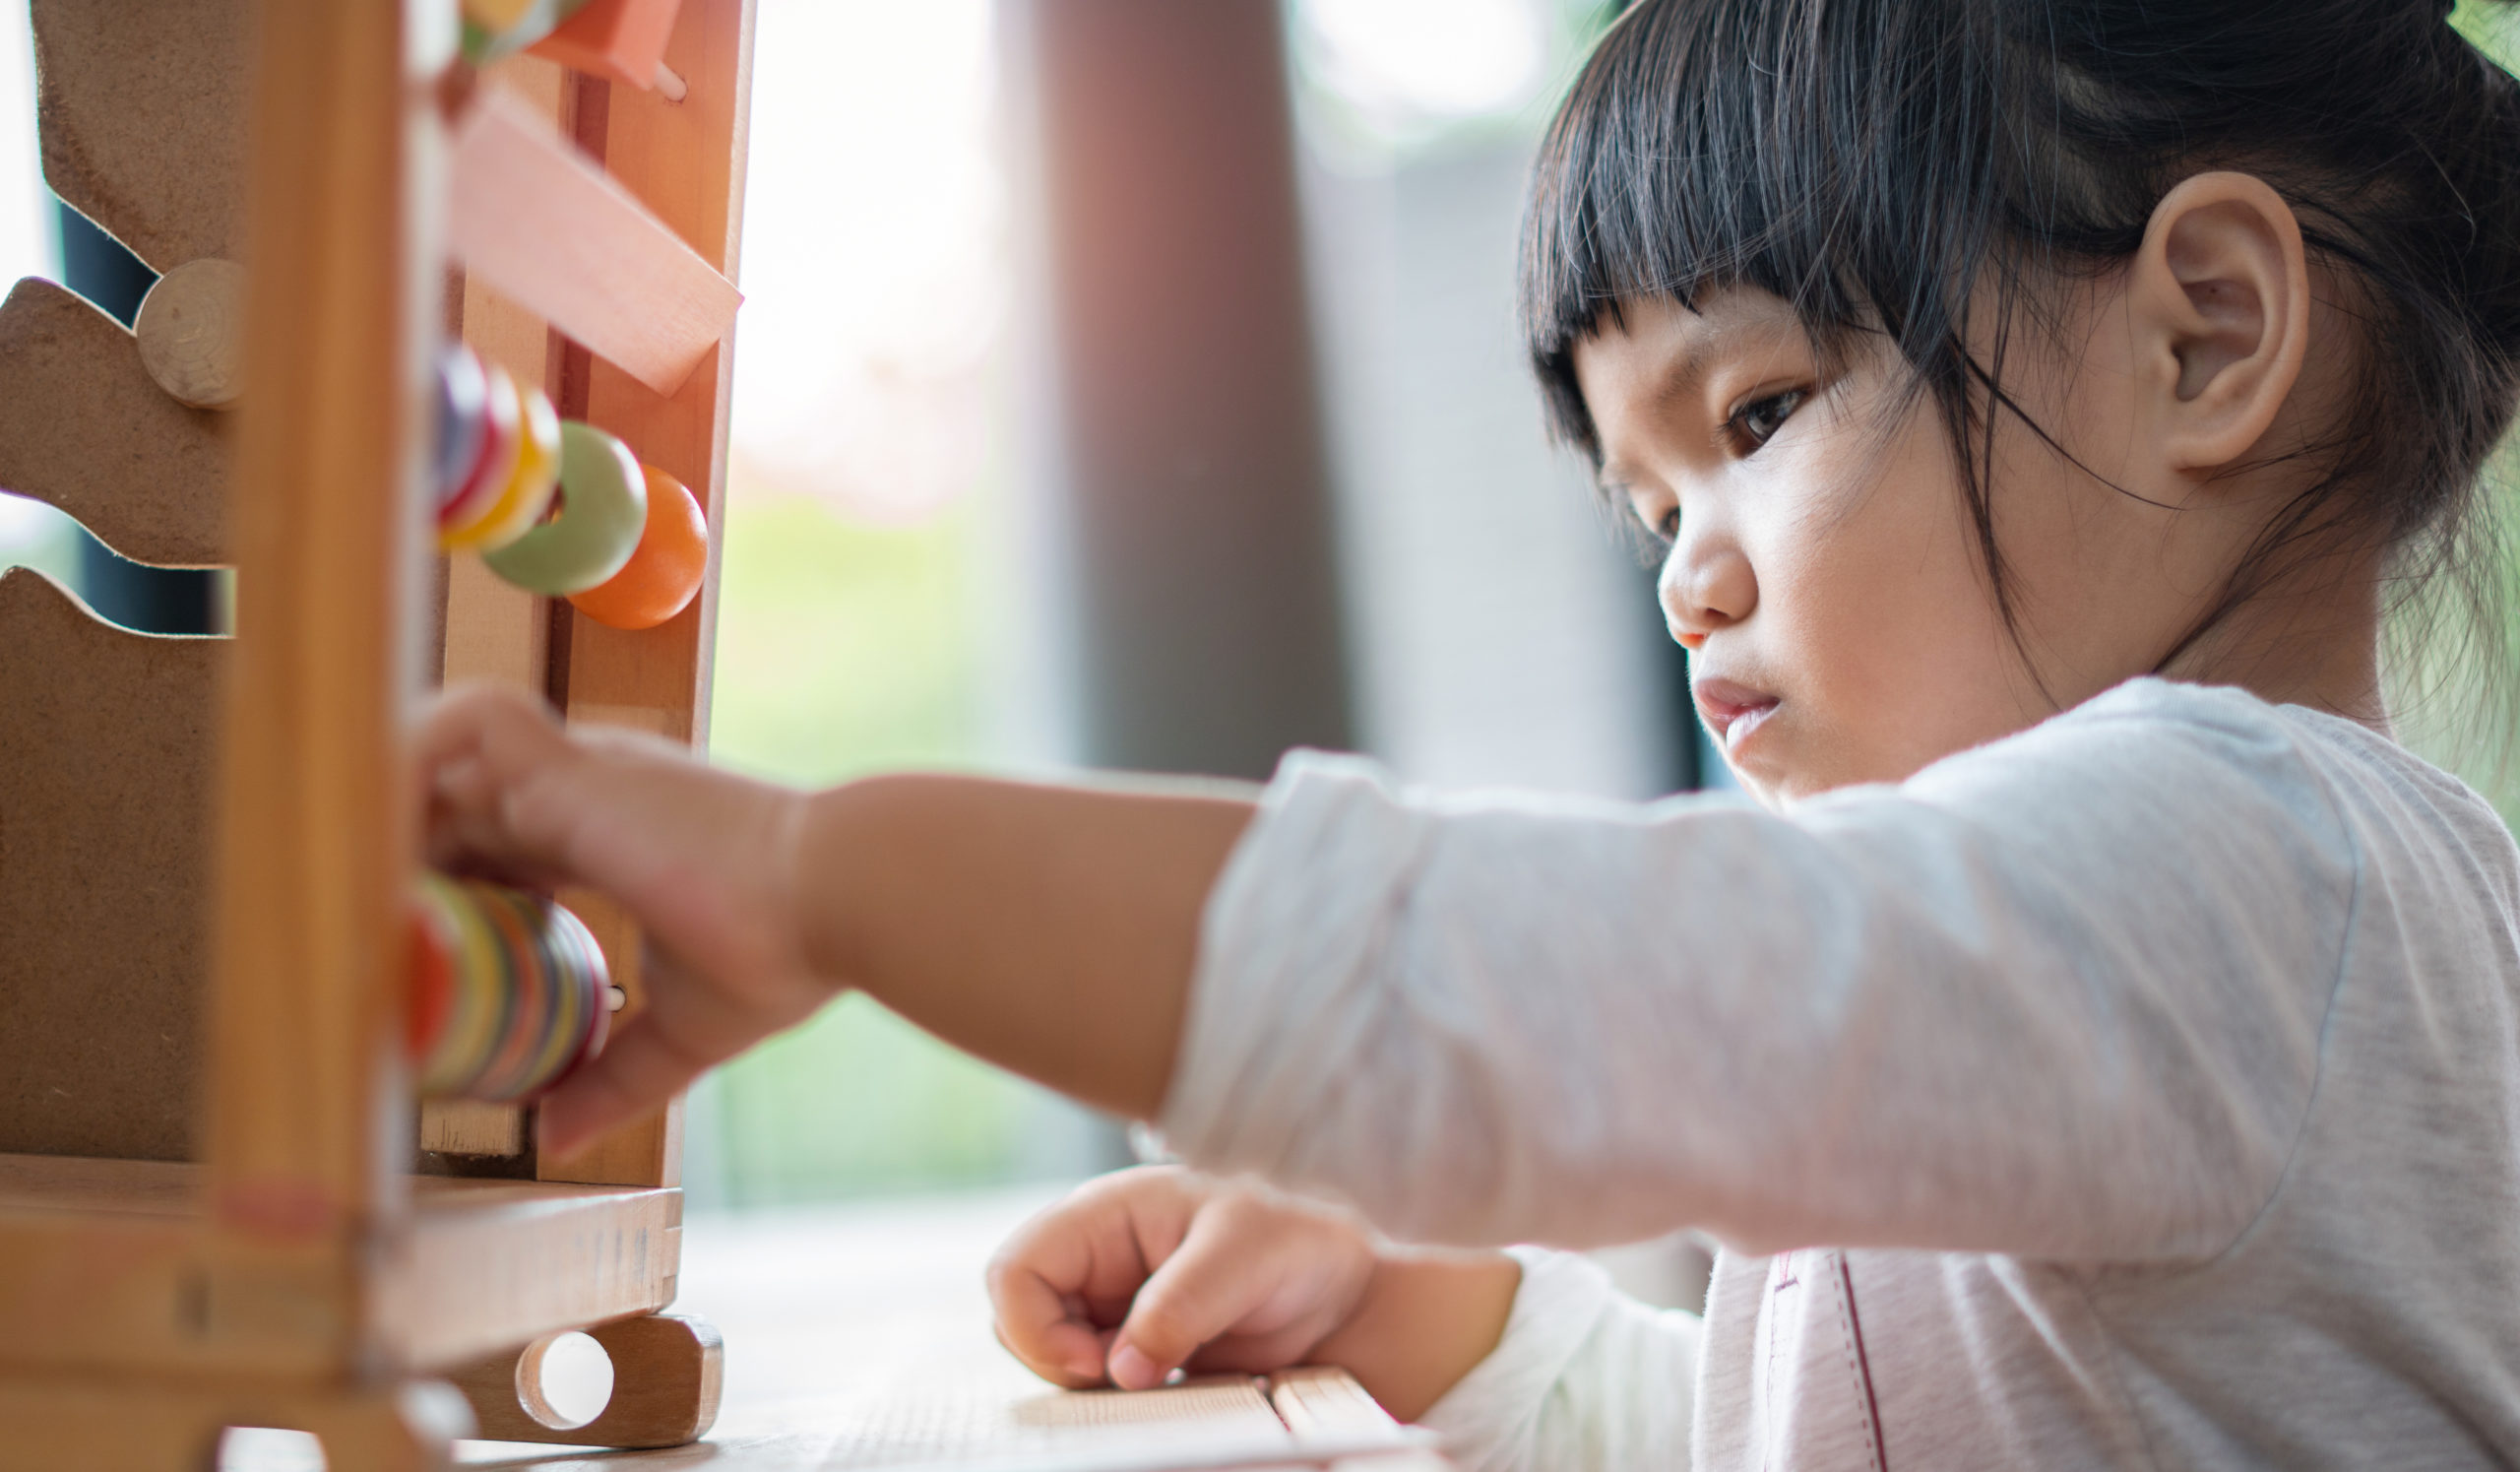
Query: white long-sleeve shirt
2142	1090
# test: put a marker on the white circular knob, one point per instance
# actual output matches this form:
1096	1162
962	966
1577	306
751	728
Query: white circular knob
192	332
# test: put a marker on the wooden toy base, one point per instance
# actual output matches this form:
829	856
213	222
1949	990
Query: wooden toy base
666	1373
485	1263
112	1425
256	1253
520	1259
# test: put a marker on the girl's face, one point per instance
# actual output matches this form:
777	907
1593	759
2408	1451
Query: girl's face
1822	570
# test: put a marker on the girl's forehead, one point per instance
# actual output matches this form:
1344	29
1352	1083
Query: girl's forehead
1658	349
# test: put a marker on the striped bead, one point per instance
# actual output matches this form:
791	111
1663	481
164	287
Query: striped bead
509	991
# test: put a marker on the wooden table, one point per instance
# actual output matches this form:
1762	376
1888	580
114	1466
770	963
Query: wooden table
827	1311
832	1316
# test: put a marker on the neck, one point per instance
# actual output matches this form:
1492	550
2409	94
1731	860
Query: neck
2312	640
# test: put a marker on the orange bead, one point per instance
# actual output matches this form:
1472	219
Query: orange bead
664	574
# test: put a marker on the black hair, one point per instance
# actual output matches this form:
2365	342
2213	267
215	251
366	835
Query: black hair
1882	163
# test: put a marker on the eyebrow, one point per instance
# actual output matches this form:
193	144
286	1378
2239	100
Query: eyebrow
1690	365
1687	369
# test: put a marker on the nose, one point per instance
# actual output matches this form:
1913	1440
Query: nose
1707	584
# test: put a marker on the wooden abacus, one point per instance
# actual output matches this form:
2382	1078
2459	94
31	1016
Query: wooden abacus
218	1203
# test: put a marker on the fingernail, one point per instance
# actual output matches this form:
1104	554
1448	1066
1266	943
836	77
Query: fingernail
1131	1369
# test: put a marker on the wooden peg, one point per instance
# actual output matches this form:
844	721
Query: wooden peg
192	332
468	1126
666	1373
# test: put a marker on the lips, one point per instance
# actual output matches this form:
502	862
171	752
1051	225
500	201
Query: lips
1732	710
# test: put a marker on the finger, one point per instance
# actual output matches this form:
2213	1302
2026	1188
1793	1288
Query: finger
641	1069
1199	1293
1044	1328
684	1028
471	720
1063	1281
474	746
1032	1281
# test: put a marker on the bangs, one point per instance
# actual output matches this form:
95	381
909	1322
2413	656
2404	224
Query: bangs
1921	173
1769	144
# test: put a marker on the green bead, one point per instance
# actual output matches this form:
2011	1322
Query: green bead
604	512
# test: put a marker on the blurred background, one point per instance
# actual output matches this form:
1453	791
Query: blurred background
1109	393
926	567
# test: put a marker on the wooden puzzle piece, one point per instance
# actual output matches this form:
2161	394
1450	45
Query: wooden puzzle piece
84	427
142	107
106	771
549	229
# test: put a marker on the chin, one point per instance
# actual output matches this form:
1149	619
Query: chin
1775	794
1777	780
1770	786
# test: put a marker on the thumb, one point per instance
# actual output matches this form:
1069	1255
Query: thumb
1203	1290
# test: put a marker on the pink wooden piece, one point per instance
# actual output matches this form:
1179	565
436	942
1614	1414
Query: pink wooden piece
542	225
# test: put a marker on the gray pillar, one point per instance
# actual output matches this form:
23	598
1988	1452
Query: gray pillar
1187	446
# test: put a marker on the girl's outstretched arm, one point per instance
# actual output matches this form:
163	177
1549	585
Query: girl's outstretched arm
1052	931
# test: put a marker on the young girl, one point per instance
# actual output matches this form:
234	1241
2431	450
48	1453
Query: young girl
2103	1051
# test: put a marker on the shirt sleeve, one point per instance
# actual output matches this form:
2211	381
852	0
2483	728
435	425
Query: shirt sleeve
1584	1379
2060	997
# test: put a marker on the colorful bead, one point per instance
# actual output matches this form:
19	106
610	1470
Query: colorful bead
508	992
664	574
460	516
528	497
495	28
463	410
603	510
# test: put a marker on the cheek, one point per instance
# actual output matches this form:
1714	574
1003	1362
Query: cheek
1880	602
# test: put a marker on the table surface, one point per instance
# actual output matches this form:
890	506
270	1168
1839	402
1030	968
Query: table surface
831	1315
827	1314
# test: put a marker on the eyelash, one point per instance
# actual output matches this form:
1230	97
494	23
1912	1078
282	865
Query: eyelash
1739	423
1668	529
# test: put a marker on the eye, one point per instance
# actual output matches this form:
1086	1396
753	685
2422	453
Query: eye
1758	420
1660	522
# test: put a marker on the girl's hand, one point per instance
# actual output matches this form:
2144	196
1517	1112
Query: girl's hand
705	861
1157	1269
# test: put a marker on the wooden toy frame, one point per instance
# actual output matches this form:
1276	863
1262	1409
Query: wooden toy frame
300	1249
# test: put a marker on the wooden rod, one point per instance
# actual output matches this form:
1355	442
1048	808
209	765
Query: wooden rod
307	1107
685	161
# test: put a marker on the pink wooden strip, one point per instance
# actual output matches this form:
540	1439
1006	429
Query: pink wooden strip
542	225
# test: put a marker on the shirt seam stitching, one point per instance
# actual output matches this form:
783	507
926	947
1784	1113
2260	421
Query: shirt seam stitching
2355	897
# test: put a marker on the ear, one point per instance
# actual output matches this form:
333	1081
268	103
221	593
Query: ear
2220	292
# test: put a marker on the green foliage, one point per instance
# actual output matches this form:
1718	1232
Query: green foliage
38	536
842	648
845	648
2493	27
859	1102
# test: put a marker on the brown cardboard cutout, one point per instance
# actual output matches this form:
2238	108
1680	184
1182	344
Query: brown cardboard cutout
84	426
142	105
107	772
